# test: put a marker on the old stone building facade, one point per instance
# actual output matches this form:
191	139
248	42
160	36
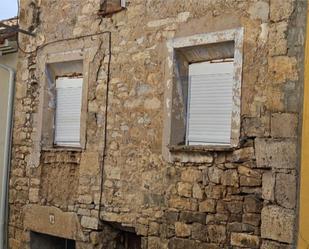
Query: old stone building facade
132	182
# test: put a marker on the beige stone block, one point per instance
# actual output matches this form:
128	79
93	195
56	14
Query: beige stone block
245	240
182	203
85	199
182	229
250	181
191	175
277	38
278	224
90	222
282	68
192	157
280	154
256	126
281	9
89	165
268	186
14	243
284	125
214	174
152	104
156	243
242	155
197	191
154	228
208	206
230	178
285	190
34	195
259	10
184	189
274	245
216	233
251	219
63	224
243	170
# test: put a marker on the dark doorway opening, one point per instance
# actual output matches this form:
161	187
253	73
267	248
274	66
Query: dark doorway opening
127	240
40	241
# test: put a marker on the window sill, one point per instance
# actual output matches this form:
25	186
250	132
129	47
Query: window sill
62	149
200	148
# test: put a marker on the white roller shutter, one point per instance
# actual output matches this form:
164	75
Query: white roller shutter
68	111
210	103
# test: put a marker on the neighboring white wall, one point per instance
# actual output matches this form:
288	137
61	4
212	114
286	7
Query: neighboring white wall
9	60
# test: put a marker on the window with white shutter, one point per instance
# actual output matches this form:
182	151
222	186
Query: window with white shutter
68	111
203	93
210	103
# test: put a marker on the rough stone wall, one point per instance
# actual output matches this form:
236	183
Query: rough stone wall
244	198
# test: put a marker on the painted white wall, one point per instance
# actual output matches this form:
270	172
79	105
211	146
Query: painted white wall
9	60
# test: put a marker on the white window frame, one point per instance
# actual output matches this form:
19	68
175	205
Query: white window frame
235	35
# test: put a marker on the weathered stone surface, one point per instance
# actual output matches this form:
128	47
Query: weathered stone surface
277	35
259	10
154	229
216	233
171	216
90	222
251	219
208	206
191	175
252	204
249	181
277	224
197	191
245	240
53	221
274	245
275	153
280	10
182	204
34	195
243	154
184	189
282	68
182	229
89	164
192	217
285	191
284	125
214	174
199	232
230	178
234	207
268	186
177	243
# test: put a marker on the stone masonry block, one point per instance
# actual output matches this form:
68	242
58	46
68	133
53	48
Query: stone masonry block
284	125
184	189
268	186
90	222
275	153
282	68
277	224
285	191
281	10
182	229
244	240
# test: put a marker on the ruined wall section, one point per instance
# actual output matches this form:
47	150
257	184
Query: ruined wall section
244	198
